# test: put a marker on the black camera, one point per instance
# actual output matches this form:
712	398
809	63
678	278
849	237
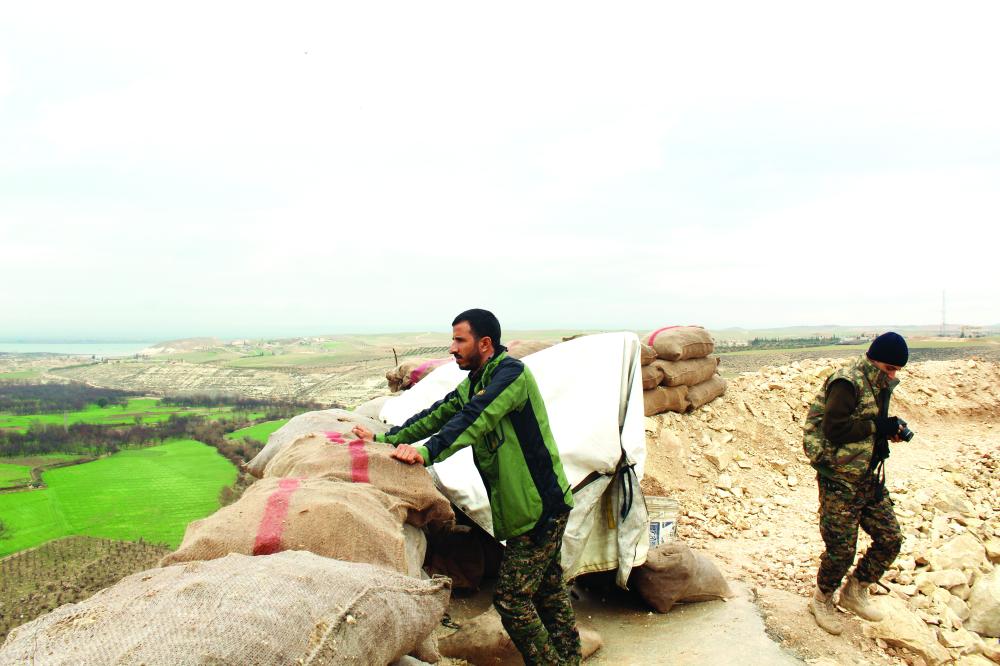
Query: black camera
905	433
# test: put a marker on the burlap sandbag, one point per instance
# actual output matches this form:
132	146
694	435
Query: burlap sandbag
665	399
674	573
288	608
340	456
411	371
677	343
652	375
339	420
483	640
345	521
646	354
372	408
706	392
688	373
522	348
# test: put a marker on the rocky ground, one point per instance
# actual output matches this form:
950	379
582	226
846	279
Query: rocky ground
749	500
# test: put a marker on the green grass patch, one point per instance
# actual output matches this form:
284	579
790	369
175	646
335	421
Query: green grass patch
259	432
20	374
12	475
151	493
149	410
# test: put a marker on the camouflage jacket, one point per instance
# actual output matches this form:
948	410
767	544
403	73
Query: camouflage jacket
847	462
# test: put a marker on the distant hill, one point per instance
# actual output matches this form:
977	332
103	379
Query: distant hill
181	346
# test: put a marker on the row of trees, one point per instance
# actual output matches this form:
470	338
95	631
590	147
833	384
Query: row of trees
240	403
92	439
53	398
792	343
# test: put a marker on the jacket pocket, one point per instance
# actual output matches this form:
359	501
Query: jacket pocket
495	438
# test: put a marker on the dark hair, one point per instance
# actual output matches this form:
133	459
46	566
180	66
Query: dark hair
483	323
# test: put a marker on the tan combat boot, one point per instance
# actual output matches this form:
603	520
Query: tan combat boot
854	597
822	608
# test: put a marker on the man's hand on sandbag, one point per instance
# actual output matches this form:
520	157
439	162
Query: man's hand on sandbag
363	433
408	454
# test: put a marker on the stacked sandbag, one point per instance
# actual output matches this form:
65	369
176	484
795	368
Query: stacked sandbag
340	420
335	455
679	343
646	354
411	371
287	608
661	399
683	375
673	573
345	521
706	392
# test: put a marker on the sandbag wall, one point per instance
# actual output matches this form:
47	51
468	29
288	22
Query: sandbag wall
319	562
678	372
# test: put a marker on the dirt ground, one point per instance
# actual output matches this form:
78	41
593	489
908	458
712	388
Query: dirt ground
749	497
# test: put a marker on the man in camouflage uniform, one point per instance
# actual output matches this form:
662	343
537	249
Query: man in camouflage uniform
846	438
499	412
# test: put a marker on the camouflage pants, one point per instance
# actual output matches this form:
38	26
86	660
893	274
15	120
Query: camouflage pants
842	509
533	601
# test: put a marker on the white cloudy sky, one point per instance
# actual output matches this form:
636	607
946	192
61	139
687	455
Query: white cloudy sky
292	168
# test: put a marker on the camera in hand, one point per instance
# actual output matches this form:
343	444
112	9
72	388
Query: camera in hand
905	433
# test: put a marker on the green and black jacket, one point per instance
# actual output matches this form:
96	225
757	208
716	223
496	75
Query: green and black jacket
499	412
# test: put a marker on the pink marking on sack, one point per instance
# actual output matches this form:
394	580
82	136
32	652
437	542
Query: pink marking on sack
272	525
359	461
652	336
335	437
425	367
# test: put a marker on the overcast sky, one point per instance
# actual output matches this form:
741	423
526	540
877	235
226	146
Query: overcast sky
231	169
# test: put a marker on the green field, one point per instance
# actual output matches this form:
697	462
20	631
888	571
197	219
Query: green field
20	374
148	409
259	432
11	475
152	493
17	471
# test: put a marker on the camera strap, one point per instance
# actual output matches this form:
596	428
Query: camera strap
881	449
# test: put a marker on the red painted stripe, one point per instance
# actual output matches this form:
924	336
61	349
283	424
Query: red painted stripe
335	437
272	525
652	336
422	369
359	461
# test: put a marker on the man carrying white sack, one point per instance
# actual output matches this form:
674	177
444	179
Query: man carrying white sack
499	412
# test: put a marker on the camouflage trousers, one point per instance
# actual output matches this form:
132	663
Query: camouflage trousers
532	598
842	509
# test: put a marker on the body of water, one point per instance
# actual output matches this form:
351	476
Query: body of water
100	349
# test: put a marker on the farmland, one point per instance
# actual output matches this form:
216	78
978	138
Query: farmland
149	493
66	570
145	410
11	474
259	432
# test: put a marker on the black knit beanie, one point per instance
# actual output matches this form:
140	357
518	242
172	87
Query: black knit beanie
889	348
